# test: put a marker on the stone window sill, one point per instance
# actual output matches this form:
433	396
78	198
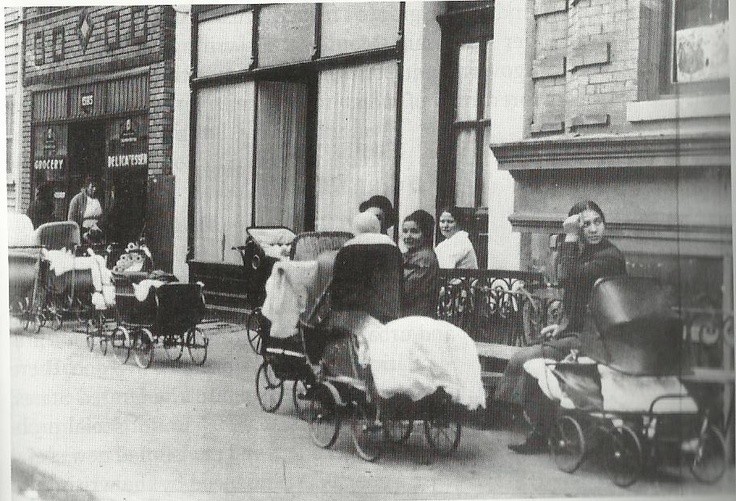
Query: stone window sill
679	108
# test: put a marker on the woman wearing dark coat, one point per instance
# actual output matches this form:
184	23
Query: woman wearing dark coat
421	268
585	256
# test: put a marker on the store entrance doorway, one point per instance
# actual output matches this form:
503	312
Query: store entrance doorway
86	156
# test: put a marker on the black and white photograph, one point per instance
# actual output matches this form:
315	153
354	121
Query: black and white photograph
368	250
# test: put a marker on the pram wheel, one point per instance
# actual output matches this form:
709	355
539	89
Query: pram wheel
397	432
173	347
625	460
323	417
567	444
143	348
443	435
197	346
709	461
269	388
35	322
367	434
299	390
120	340
253	329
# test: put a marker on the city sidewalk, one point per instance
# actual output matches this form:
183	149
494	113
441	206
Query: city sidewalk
86	427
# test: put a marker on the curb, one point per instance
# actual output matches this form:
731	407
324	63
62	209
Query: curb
30	482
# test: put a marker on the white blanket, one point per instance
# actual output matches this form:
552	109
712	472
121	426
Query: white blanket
414	356
63	261
621	392
142	289
286	295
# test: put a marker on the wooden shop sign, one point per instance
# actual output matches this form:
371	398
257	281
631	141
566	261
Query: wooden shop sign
49	164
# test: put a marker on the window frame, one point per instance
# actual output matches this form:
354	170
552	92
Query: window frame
668	87
10	136
459	27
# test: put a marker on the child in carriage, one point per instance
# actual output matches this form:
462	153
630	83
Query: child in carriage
585	256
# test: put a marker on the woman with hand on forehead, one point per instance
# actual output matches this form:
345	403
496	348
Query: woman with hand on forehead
585	256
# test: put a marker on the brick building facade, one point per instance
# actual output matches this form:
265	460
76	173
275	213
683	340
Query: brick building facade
627	103
13	102
98	100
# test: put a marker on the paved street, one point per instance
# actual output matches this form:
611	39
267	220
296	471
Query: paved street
86	427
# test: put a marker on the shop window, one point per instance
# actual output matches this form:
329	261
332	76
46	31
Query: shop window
38	49
223	170
9	136
139	19
465	101
225	44
112	30
57	41
353	27
285	33
355	140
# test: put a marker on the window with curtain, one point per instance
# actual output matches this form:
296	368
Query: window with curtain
355	140
281	155
224	44
468	37
223	170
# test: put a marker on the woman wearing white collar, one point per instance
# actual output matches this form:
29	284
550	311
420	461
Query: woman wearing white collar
456	251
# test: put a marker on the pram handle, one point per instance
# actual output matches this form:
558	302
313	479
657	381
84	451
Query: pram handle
666	396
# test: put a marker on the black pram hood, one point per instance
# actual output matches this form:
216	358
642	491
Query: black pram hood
631	327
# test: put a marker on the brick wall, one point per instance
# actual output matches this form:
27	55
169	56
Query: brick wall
12	50
587	64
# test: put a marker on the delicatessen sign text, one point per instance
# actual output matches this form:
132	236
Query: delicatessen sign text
134	159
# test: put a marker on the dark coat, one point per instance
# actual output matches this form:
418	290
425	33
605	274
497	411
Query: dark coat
579	270
421	271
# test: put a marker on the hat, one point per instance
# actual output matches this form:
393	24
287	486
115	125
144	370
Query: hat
366	222
383	203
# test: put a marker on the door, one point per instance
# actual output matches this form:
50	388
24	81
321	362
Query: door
86	156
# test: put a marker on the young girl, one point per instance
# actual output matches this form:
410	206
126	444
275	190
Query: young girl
420	266
456	251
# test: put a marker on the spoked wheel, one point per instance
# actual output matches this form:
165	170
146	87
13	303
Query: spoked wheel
299	390
269	388
567	444
34	322
57	321
709	462
323	417
120	340
367	434
254	327
625	457
173	347
443	435
143	348
397	432
197	344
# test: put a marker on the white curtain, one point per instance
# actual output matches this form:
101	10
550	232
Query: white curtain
280	154
223	163
355	140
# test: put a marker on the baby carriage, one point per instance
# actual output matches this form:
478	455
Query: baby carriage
280	344
77	283
157	310
263	247
627	397
364	295
24	265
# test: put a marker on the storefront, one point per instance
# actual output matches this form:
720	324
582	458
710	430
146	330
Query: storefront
98	102
107	142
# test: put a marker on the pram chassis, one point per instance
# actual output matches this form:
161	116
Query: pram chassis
632	444
139	339
374	419
25	308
